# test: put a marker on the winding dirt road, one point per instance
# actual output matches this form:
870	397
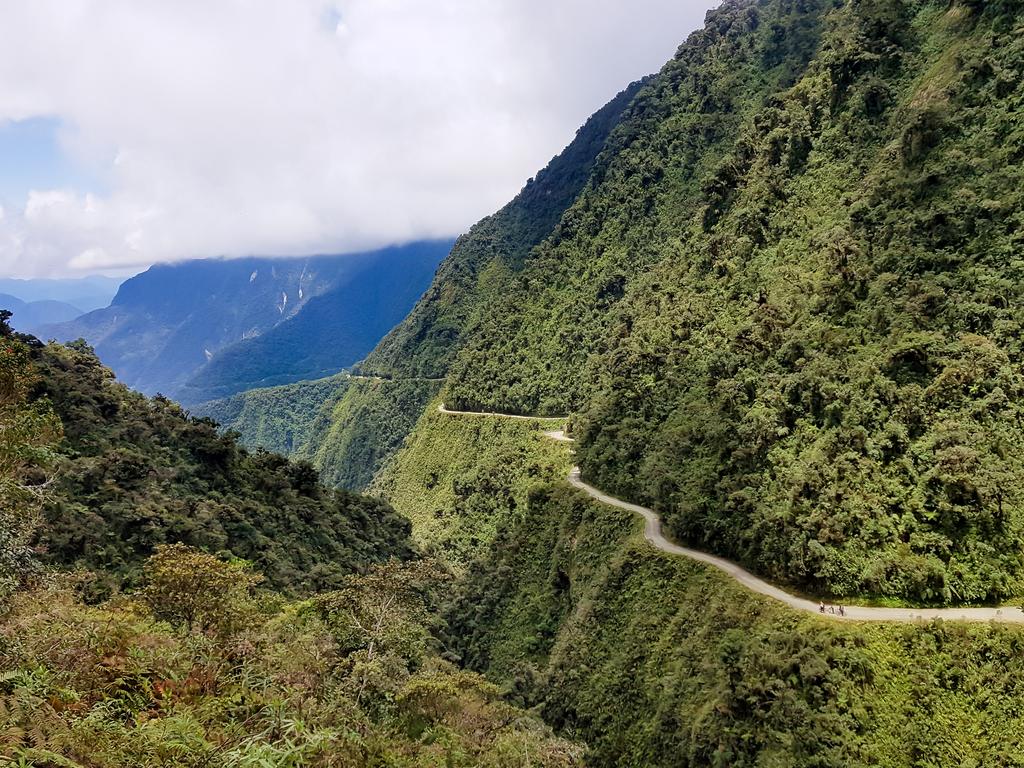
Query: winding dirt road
654	535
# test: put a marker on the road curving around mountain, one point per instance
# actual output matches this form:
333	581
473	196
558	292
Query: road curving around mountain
654	535
442	409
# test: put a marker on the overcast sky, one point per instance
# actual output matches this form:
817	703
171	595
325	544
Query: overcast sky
135	131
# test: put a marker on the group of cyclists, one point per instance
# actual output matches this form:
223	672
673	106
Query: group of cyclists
833	609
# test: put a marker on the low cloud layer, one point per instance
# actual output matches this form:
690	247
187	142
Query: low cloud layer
299	126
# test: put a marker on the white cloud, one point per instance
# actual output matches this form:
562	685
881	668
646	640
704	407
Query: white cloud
298	126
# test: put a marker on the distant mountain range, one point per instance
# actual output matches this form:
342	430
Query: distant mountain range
85	293
211	328
37	304
32	315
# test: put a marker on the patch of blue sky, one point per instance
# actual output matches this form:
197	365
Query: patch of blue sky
31	157
331	18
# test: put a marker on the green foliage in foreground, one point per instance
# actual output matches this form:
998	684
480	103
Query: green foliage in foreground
459	478
348	679
657	661
28	433
134	473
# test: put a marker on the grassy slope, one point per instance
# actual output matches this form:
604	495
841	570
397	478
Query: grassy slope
654	660
659	661
459	478
365	428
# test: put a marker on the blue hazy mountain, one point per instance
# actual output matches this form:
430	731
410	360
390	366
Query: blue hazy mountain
30	316
213	327
85	293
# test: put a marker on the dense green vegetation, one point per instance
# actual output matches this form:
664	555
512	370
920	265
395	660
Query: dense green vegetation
29	432
779	287
787	306
459	478
191	661
348	679
470	281
346	427
359	434
654	660
278	419
529	352
134	472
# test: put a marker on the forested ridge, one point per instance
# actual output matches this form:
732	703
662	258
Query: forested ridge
169	599
364	422
786	306
469	281
347	427
778	286
134	472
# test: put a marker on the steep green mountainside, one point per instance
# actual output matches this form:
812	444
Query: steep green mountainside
134	473
530	351
357	436
458	478
281	419
346	427
657	661
787	307
363	424
785	312
469	281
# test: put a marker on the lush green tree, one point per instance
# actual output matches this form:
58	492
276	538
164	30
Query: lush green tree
197	591
28	432
381	622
